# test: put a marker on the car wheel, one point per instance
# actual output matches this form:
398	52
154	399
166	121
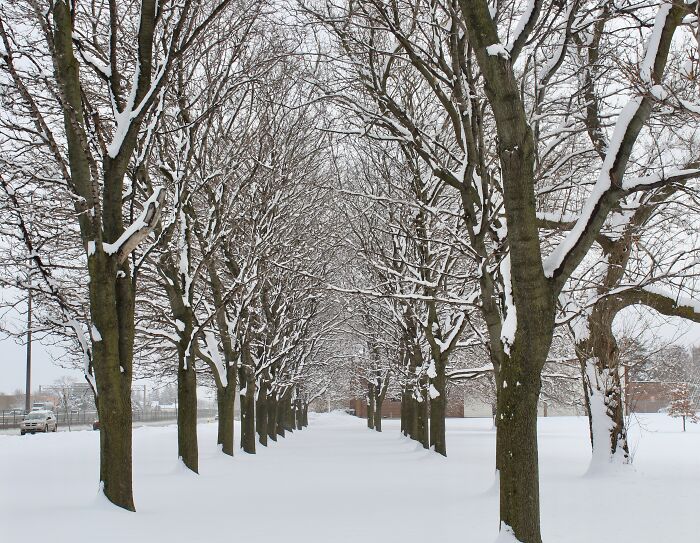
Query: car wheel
22	432
55	427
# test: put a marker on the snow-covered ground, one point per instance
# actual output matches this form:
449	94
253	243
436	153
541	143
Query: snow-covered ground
337	481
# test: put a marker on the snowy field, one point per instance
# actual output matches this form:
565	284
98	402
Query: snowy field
337	481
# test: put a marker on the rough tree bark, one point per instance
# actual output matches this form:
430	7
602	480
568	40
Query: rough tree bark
380	390
187	449
272	415
438	406
247	378
600	370
422	406
378	415
279	414
225	400
370	406
261	416
288	411
305	415
299	415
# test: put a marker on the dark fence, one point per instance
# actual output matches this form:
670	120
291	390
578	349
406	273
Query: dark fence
11	419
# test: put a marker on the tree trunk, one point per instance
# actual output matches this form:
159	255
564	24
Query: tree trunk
421	432
225	399
437	424
299	414
605	412
517	455
248	421
415	417
112	312
438	406
226	395
279	412
187	412
378	415
114	412
272	416
248	417
370	406
305	416
261	414
288	420
404	413
600	372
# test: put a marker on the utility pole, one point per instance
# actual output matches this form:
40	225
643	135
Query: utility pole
28	385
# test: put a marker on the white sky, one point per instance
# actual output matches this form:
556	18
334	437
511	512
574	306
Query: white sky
13	363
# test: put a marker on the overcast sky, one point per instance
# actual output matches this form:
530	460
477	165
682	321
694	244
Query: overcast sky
14	363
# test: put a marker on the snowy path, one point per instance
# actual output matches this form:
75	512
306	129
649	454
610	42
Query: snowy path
339	482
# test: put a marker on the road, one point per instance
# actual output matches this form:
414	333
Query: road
88	427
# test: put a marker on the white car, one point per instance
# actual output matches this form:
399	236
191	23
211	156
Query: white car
38	421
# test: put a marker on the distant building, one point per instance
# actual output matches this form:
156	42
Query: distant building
391	408
476	407
466	405
648	396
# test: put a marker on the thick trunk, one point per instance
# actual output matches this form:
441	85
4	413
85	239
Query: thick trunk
370	406
378	415
187	412
437	424
438	406
606	419
225	399
279	416
112	316
600	371
421	430
299	415
272	416
248	414
415	417
114	409
305	416
261	414
288	419
226	396
404	413
517	456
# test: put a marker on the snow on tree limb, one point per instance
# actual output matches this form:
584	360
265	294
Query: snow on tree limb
610	186
139	229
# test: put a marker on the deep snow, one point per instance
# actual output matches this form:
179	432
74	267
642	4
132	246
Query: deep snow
337	481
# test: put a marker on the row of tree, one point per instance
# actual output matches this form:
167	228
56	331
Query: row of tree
263	191
163	179
530	169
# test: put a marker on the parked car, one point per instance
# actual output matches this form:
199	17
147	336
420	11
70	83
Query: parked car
38	421
96	424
